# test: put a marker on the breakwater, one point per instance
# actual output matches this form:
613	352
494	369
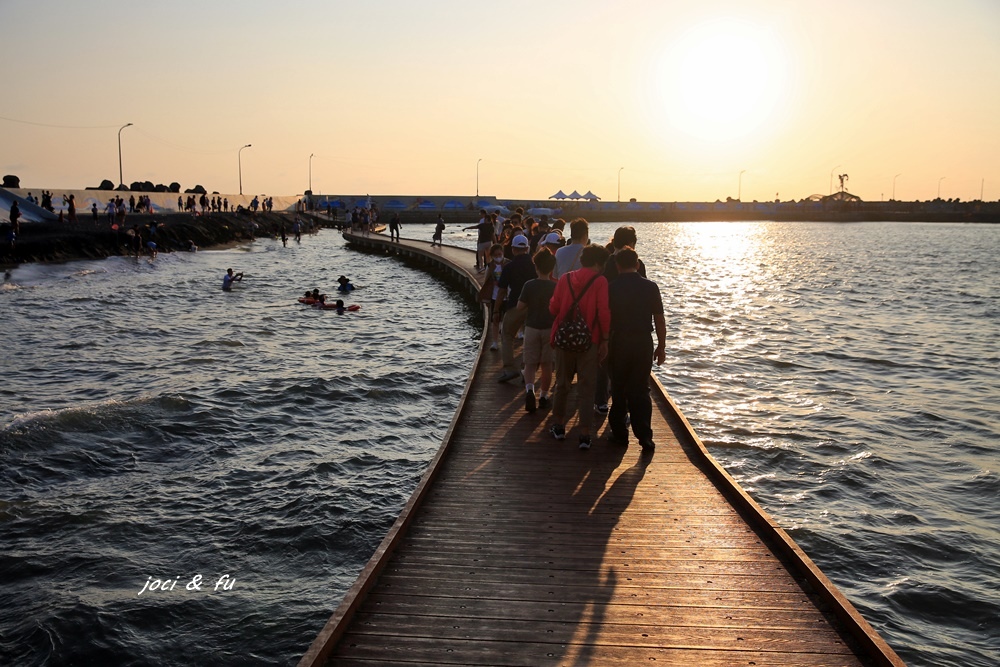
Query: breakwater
54	241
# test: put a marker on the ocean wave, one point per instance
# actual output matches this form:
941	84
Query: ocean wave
94	417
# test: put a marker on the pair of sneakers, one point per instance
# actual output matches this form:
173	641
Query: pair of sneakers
531	404
558	432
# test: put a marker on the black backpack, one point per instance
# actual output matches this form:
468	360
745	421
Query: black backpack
573	334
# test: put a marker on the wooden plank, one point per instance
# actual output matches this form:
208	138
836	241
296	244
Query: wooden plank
599	631
774	581
391	649
682	612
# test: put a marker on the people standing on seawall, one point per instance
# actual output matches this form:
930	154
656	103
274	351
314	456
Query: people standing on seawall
585	290
136	240
120	212
438	230
230	278
568	257
394	228
634	302
485	241
15	217
519	271
94	213
71	204
538	354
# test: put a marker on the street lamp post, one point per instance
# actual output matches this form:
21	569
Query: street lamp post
239	160
311	172
894	185
121	179
477	176
939	186
620	184
739	189
831	178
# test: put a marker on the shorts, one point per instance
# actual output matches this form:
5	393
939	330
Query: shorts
537	349
485	246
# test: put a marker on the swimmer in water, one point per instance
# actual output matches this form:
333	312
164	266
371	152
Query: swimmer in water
230	278
345	284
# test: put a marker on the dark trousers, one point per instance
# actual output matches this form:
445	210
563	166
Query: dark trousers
603	384
630	359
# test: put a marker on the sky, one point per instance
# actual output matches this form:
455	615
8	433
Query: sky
662	100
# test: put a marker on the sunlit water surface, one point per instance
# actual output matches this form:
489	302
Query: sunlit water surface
153	426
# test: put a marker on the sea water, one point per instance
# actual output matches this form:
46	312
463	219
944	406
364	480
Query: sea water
189	476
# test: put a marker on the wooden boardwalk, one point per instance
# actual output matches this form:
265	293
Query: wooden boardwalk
517	549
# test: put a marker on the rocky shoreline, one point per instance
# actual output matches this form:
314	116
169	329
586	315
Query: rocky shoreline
62	241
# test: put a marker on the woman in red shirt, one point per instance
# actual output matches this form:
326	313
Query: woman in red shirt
590	288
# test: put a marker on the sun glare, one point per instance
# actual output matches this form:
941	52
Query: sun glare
722	80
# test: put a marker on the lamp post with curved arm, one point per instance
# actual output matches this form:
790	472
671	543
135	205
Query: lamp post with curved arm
477	176
739	188
894	185
831	178
121	179
239	160
311	172
620	184
939	186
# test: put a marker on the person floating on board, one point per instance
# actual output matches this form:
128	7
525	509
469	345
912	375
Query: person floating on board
230	278
338	305
345	284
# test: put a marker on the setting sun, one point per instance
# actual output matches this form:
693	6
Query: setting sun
722	80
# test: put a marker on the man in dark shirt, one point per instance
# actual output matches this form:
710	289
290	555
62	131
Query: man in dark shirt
634	302
625	237
519	271
486	236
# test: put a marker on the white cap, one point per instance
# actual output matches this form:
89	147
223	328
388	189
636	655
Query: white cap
552	238
520	242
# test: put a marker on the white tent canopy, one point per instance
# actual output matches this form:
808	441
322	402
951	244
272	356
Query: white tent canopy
558	195
590	196
575	195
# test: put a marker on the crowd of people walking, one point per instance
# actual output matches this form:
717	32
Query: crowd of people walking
584	314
